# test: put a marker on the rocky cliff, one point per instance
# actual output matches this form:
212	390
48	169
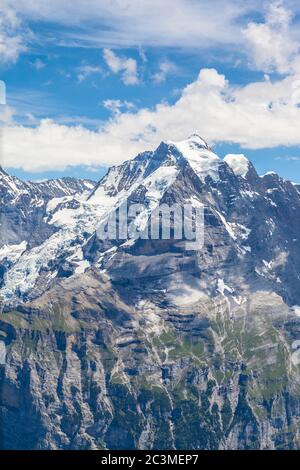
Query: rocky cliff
143	344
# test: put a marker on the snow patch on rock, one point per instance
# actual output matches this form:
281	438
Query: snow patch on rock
12	252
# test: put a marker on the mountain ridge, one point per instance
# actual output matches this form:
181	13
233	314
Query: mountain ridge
149	179
141	344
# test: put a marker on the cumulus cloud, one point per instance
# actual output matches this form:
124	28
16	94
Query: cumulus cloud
52	146
258	115
171	23
126	65
272	45
261	114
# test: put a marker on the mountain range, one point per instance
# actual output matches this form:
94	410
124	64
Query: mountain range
141	343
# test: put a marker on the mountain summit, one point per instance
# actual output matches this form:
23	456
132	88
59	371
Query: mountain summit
250	214
140	343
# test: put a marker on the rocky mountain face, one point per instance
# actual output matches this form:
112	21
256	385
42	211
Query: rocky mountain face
141	343
23	213
23	206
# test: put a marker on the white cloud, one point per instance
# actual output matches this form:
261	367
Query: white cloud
86	70
272	45
258	115
56	146
143	55
12	36
127	66
2	92
288	158
119	23
38	64
115	106
169	23
165	68
6	115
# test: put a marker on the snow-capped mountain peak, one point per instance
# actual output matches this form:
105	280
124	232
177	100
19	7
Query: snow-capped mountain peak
202	160
58	221
83	312
197	140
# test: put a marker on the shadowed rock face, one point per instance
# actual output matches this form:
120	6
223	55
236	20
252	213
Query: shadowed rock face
146	345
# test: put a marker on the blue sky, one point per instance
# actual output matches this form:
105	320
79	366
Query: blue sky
92	83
